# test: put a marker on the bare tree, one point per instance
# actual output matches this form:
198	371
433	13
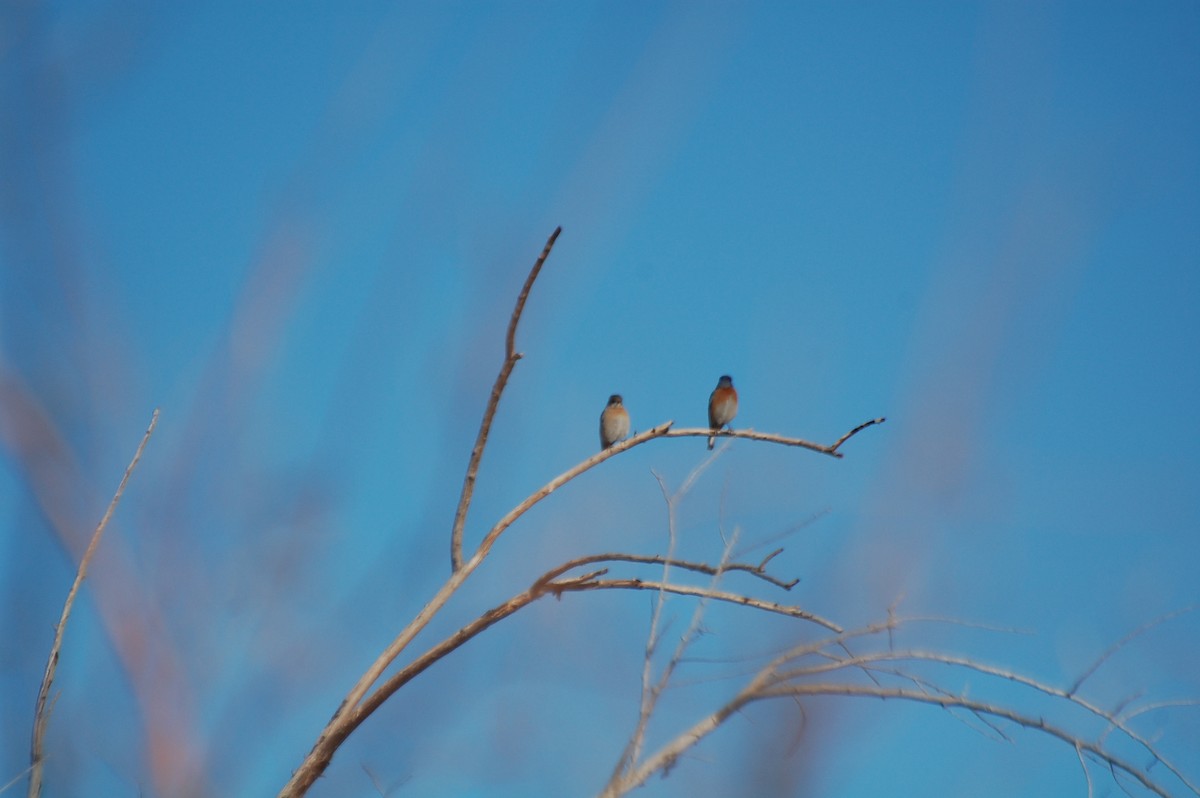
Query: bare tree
827	658
885	672
372	690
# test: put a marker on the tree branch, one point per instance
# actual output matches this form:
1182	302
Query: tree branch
511	356
546	585
1115	647
771	682
702	592
770	437
758	571
41	715
966	663
837	444
343	721
949	701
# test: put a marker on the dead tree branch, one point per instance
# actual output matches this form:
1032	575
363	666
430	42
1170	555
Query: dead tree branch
758	571
785	676
549	584
770	437
511	356
41	716
703	592
652	692
1117	646
944	701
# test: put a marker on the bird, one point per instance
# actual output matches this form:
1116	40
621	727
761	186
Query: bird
722	406
614	422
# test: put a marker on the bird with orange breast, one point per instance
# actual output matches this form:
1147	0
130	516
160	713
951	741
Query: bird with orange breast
722	406
614	422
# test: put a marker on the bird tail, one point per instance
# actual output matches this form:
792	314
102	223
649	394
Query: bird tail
711	441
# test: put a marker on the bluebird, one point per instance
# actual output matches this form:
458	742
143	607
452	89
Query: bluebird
614	422
722	406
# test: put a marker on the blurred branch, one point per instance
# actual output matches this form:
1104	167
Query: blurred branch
42	715
511	356
4	787
648	700
786	677
961	701
1117	646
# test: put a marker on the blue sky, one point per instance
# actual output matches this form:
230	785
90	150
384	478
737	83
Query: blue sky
298	229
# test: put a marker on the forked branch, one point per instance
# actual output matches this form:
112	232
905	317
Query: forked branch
770	437
549	584
787	676
759	571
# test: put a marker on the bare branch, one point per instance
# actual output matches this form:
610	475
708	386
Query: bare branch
1086	773
1027	721
758	571
991	670
545	585
5	787
854	432
651	692
666	756
511	356
770	437
596	459
348	715
41	715
1157	705
1115	647
702	592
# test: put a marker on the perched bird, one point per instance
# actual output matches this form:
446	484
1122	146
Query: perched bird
722	406
614	422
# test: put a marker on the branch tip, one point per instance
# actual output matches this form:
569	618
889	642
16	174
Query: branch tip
511	356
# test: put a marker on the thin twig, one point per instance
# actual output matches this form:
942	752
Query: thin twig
511	356
756	691
648	697
1027	721
41	715
758	571
1115	647
1086	774
651	692
770	437
5	787
545	585
1001	673
701	592
929	686
777	536
1133	713
854	432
